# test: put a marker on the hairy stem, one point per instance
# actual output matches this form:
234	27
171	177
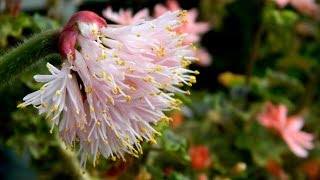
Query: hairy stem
39	47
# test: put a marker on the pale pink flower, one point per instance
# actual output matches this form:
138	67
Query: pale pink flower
192	27
289	128
307	7
125	17
115	83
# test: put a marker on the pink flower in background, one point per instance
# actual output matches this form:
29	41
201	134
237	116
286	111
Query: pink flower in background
307	7
125	17
192	27
115	83
289	128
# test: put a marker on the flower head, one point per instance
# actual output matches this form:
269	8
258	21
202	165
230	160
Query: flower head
115	83
125	17
289	128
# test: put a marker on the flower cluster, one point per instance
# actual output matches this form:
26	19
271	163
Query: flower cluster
115	83
289	128
193	28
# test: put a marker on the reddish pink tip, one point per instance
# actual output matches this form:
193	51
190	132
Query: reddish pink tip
87	17
69	34
67	41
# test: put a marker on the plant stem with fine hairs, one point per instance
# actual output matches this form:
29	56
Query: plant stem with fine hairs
40	47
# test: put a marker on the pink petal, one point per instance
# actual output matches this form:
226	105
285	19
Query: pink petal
144	13
159	10
173	5
294	146
192	15
294	123
282	114
201	27
204	56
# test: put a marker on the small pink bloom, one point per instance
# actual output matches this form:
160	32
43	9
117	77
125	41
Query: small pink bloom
289	128
125	17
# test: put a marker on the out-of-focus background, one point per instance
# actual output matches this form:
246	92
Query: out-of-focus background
258	58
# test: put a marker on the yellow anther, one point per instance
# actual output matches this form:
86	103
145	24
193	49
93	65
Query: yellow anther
114	158
119	46
130	69
196	72
184	21
112	128
132	88
102	56
182	13
160	51
123	63
194	48
158	133
116	90
138	35
143	129
158	68
99	123
179	101
126	137
103	112
189	84
58	93
128	98
153	141
188	92
21	105
106	142
180	84
193	79
88	90
42	88
110	100
91	108
103	74
109	78
66	129
77	112
116	55
169	28
94	32
55	108
43	105
89	140
197	59
118	136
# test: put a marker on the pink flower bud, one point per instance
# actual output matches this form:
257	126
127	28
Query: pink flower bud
69	34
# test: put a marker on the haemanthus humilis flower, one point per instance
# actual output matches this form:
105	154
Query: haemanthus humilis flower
115	83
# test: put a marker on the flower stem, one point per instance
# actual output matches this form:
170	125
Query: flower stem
40	47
